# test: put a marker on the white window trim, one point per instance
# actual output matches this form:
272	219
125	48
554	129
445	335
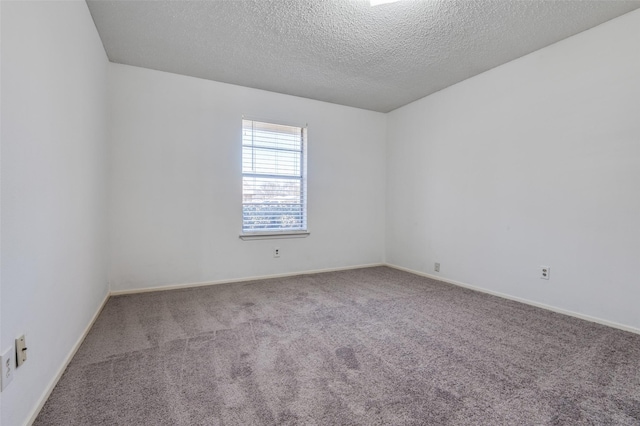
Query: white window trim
273	235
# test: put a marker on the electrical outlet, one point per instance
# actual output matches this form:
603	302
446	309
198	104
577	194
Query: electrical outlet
436	267
276	252
545	272
8	360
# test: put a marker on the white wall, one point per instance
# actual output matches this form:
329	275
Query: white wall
175	183
54	268
536	162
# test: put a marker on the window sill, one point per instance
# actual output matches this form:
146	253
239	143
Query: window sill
274	235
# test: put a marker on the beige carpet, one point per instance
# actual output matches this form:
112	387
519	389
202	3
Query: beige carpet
363	347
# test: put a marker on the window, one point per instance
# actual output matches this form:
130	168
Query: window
274	179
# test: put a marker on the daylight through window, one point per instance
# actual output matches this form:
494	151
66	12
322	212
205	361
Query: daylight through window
274	183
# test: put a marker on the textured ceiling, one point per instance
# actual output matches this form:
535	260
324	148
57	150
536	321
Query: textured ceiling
339	51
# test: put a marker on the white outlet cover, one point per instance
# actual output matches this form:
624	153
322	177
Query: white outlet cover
8	360
545	272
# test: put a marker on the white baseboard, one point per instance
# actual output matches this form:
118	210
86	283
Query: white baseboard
63	367
521	300
238	280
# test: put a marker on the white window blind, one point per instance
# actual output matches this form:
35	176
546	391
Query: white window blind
274	182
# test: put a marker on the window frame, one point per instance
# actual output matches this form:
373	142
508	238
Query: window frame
275	233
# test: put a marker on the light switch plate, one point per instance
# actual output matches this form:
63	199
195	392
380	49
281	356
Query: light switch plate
21	350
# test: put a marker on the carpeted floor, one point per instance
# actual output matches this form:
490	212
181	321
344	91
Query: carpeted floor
363	347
